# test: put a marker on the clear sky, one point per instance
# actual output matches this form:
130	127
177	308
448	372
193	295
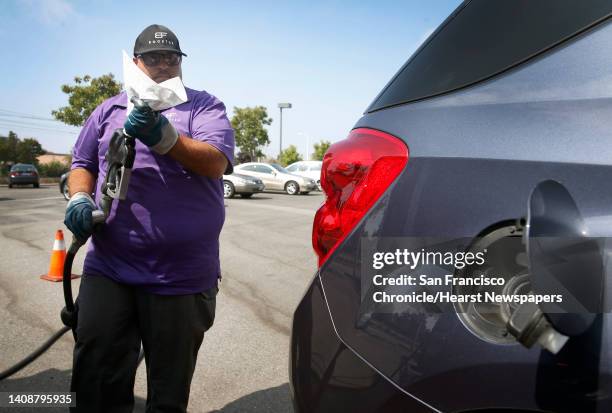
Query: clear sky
328	58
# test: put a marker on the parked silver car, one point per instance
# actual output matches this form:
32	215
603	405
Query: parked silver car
309	169
275	177
243	185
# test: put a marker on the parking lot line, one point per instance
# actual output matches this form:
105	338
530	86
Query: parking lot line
34	199
299	211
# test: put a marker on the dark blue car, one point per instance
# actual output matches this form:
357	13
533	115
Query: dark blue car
23	174
498	129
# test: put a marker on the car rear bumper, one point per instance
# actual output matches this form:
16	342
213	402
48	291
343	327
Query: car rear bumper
327	376
23	180
249	188
308	187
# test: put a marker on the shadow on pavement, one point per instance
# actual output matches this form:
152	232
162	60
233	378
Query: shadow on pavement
272	400
51	380
255	197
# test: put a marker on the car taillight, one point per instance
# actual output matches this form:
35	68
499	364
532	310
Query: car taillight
356	172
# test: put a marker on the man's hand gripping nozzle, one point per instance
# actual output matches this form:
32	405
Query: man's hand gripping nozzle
83	217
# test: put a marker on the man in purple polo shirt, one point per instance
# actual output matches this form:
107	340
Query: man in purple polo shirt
151	271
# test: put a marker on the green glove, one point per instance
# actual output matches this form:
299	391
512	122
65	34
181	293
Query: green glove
150	127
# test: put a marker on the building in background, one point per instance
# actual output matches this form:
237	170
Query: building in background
53	157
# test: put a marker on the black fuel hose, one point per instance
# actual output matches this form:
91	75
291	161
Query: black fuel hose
34	355
67	314
67	281
39	351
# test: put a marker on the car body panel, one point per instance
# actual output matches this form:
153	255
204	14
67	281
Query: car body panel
245	184
535	112
330	377
475	156
24	180
263	172
309	169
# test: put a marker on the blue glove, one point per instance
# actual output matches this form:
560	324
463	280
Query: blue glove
151	128
79	217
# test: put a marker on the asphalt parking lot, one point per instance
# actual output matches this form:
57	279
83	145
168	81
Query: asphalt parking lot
267	262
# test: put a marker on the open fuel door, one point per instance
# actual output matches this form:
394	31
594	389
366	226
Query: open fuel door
563	261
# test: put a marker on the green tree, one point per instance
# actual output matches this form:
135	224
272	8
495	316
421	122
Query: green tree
53	169
249	128
28	150
320	149
14	150
242	157
289	155
8	147
84	96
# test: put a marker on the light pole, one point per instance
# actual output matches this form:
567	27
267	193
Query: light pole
282	106
307	136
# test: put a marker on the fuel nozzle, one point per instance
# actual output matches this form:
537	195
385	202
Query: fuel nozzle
120	158
564	262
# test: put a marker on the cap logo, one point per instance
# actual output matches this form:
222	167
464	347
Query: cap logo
156	38
163	41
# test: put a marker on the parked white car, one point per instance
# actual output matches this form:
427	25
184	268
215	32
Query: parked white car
310	169
275	177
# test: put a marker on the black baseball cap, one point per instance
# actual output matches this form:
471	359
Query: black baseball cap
157	38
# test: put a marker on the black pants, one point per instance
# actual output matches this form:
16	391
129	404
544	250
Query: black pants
113	319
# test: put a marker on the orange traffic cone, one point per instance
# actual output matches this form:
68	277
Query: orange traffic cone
58	256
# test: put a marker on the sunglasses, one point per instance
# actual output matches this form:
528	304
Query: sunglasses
154	59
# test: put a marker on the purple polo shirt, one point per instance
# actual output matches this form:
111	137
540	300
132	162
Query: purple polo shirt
165	236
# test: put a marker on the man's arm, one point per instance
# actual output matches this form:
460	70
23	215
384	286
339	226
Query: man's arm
81	180
199	157
195	153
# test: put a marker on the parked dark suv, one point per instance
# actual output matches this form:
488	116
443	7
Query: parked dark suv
496	131
23	174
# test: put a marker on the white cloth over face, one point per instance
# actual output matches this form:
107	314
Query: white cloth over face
159	96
